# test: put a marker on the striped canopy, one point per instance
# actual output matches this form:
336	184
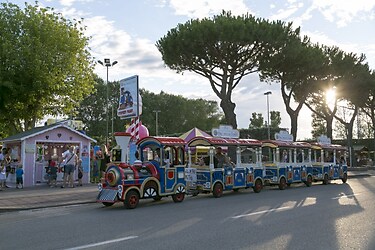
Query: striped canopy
194	132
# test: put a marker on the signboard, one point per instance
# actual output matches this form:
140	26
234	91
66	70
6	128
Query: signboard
225	131
129	98
283	136
191	174
323	139
30	148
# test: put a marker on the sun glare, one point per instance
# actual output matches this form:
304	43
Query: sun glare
331	98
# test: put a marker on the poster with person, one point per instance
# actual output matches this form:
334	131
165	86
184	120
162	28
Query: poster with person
128	106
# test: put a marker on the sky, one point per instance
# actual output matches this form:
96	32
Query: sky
127	30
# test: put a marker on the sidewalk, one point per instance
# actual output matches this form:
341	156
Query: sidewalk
42	195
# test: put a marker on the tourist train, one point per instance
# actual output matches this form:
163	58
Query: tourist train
169	166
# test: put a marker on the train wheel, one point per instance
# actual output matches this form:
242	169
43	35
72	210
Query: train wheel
151	190
107	204
218	190
179	197
344	178
131	199
308	181
325	180
282	183
258	186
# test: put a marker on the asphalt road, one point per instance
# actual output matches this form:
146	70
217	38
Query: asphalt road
336	216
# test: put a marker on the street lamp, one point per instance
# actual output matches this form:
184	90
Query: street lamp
268	114
107	63
156	121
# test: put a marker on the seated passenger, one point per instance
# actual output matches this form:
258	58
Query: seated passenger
221	158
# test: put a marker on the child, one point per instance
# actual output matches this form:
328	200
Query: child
52	171
19	177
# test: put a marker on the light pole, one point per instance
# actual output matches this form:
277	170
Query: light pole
268	114
156	121
107	63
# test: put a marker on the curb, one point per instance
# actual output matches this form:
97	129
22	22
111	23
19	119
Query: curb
17	208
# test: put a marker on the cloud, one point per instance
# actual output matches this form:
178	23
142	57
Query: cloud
205	8
344	12
284	14
71	2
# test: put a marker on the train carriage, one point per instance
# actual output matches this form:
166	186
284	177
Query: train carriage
286	162
158	173
328	161
210	178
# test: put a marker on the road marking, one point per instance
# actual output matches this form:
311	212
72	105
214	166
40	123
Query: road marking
102	243
344	196
260	212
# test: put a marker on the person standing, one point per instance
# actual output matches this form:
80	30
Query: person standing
104	161
95	170
80	172
2	175
53	171
70	162
19	177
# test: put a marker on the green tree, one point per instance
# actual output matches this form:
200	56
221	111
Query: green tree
318	126
256	121
45	65
294	67
275	119
178	114
354	83
369	108
223	49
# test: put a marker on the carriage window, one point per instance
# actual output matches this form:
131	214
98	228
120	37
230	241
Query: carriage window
248	155
268	154
316	155
328	156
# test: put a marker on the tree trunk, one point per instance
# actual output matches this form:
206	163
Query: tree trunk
228	108
329	120
349	128
293	124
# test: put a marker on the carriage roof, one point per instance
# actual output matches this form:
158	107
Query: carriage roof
215	141
166	141
318	146
285	144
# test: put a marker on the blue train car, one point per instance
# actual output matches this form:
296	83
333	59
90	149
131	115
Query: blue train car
286	162
158	173
208	176
328	161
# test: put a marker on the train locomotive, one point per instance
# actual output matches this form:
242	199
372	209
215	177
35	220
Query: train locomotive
157	173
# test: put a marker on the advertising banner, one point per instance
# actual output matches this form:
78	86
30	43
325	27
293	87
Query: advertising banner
129	98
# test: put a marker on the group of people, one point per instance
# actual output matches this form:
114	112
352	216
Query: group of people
5	168
99	163
70	162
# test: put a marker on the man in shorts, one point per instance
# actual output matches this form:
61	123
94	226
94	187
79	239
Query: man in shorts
70	162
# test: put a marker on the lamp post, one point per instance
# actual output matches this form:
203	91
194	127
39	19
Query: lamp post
156	121
107	63
268	114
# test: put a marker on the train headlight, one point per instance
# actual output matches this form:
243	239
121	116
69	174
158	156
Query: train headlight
113	175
